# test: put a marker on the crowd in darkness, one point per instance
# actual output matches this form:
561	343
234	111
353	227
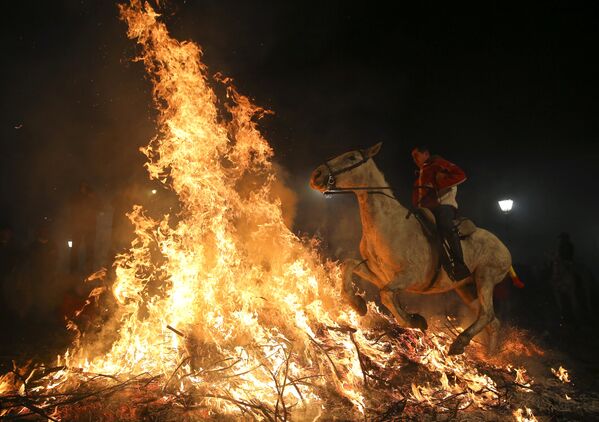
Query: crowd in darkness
35	288
42	273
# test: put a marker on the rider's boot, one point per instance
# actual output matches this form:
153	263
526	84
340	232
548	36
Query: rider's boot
459	269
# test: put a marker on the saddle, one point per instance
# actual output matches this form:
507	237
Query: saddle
465	228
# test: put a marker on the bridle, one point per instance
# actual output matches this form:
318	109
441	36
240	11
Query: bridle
332	188
331	181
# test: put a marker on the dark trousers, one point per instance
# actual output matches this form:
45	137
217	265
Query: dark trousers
445	214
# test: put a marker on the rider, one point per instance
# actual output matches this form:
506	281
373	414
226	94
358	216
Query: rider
436	189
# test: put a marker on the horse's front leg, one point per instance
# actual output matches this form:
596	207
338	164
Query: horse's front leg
348	288
390	299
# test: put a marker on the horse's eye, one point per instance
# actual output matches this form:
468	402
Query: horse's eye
352	158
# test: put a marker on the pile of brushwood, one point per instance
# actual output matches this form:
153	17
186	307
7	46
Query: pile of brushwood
390	388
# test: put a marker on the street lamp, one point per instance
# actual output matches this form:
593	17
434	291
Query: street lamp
506	205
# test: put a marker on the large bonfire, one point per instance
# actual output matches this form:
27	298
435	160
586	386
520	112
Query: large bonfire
220	309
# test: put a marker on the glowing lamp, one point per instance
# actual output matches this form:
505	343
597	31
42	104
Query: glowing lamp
154	191
70	243
506	205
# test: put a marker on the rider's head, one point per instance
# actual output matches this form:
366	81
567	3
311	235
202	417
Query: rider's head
420	154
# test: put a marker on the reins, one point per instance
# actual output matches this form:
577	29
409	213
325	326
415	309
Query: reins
371	190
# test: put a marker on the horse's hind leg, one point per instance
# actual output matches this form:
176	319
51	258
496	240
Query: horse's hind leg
485	282
493	332
467	296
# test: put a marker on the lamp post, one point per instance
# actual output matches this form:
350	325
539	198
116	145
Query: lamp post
506	205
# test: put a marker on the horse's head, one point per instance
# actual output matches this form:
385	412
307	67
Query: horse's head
346	170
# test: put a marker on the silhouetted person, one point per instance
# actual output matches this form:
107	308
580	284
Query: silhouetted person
42	254
565	249
436	189
33	284
84	213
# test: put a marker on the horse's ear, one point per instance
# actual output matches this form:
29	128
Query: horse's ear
373	150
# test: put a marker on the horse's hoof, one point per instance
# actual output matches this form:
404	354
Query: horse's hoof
457	347
417	321
358	304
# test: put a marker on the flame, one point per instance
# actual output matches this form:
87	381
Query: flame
561	374
221	300
232	281
525	415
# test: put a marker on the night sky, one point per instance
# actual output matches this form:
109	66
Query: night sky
507	94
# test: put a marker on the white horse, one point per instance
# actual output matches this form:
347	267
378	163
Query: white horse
397	256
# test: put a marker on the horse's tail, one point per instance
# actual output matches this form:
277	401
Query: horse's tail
515	279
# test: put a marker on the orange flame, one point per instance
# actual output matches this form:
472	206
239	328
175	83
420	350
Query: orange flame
561	374
230	275
524	415
224	287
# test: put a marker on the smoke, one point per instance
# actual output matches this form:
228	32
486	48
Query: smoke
285	194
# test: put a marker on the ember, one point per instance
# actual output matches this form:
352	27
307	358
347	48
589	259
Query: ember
561	374
525	415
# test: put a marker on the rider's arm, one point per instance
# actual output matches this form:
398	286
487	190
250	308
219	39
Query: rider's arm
448	174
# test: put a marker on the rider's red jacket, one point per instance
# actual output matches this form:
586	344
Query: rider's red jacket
434	177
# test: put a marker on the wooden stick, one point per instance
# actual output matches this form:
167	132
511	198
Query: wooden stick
364	375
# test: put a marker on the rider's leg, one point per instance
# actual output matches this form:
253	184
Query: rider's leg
444	216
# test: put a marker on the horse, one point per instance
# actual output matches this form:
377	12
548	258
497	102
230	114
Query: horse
397	255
